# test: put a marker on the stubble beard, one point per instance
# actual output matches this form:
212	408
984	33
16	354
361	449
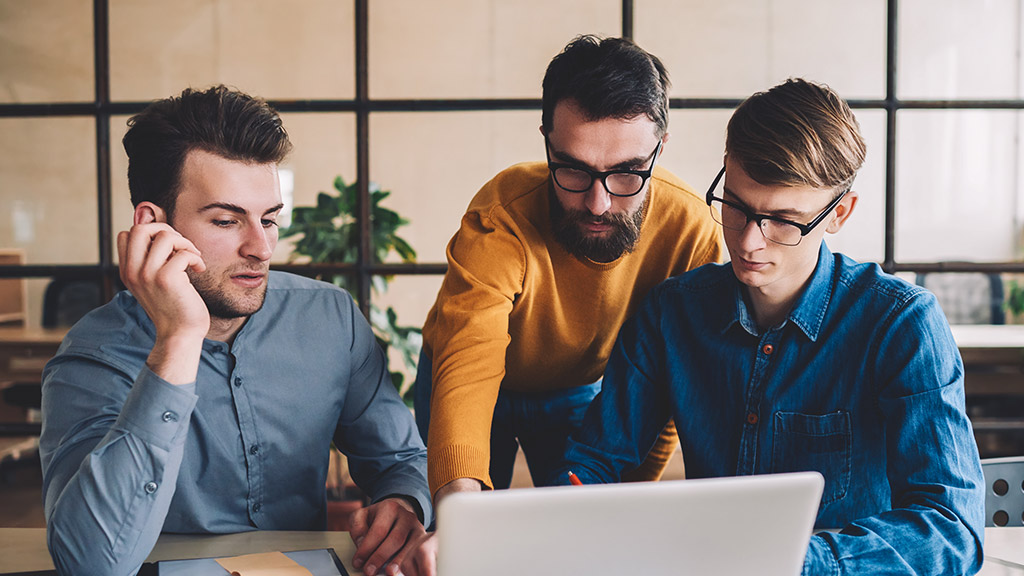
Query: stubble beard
622	239
221	304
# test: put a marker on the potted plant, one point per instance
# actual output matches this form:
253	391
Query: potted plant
329	234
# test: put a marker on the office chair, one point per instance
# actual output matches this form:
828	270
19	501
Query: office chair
1004	491
66	301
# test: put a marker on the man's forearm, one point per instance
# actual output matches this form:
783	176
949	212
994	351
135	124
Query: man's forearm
457	485
106	499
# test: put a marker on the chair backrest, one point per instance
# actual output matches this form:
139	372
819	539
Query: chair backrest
1004	491
66	301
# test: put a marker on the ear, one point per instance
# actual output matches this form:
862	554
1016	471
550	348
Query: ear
843	211
147	212
542	132
664	140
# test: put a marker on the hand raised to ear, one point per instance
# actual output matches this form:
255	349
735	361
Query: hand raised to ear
155	260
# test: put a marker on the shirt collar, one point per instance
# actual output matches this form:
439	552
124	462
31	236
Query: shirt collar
809	312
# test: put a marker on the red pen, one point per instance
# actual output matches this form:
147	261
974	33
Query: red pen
574	480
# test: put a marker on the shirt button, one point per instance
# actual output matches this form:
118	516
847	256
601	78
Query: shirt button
255	449
238	381
257	507
150	487
751	418
170	416
768	349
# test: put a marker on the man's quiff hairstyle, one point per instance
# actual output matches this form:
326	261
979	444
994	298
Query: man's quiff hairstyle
607	78
798	133
219	120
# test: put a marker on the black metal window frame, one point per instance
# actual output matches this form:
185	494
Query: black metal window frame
102	108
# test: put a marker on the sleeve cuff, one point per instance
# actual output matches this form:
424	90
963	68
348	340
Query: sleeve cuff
157	411
820	559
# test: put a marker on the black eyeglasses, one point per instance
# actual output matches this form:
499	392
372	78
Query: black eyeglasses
621	183
735	216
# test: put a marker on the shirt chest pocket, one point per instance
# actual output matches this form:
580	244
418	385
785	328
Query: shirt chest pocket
822	443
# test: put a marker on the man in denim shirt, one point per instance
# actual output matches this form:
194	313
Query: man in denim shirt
792	358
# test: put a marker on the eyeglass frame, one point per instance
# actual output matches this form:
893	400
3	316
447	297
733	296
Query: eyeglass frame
805	229
645	175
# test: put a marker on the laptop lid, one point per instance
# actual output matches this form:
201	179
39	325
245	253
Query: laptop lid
741	525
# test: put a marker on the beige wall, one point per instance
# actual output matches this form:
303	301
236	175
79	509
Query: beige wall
956	170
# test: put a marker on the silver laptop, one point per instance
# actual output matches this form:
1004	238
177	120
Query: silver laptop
723	526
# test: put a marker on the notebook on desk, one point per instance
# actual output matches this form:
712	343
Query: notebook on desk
745	525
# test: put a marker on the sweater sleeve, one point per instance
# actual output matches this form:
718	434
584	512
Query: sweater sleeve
486	266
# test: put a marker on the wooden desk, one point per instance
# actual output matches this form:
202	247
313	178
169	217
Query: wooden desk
993	359
24	549
25	350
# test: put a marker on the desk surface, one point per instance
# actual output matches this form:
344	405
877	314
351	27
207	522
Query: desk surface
31	335
970	336
24	549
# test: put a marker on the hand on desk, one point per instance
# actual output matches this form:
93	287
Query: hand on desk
388	529
422	560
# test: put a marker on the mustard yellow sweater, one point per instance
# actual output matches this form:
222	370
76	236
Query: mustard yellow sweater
516	311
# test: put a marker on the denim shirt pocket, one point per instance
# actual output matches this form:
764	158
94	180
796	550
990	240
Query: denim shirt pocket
822	443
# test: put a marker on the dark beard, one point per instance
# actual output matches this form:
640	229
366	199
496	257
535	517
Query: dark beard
623	238
220	305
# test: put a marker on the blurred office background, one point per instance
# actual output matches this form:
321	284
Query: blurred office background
431	99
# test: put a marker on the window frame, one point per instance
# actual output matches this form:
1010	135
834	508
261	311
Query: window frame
101	108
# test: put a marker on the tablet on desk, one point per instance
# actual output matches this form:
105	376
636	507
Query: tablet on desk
322	562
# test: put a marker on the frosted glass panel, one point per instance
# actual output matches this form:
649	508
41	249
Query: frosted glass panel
954	49
434	163
48	189
732	48
958	187
279	50
476	48
46	51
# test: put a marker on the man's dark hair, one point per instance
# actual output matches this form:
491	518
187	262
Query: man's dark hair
222	121
798	133
607	78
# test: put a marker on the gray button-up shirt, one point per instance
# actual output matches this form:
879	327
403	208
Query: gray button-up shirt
127	455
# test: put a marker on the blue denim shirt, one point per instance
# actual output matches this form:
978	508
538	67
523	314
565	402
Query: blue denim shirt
125	454
862	382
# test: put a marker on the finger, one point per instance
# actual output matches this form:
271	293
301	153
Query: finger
396	540
423	561
122	252
412	544
164	245
358	525
178	263
139	243
381	522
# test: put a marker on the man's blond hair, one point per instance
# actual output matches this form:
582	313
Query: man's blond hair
798	133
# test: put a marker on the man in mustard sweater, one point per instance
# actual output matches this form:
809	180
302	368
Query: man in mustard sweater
549	261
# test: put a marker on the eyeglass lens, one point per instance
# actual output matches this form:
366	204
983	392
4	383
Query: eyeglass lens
622	184
735	219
